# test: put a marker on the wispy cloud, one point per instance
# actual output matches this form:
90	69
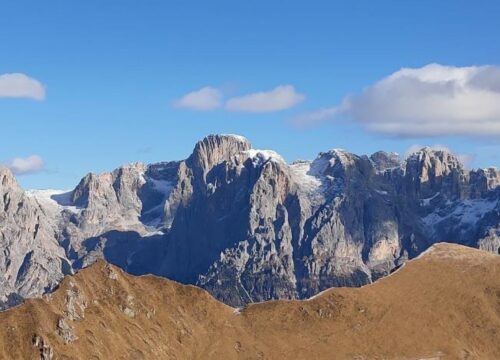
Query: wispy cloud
19	85
317	117
28	165
204	99
433	100
280	98
209	98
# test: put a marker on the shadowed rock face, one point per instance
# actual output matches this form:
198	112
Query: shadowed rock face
246	225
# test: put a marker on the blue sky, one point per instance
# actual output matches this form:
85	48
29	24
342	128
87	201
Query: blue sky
112	72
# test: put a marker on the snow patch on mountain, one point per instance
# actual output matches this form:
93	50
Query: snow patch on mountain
164	187
237	137
465	212
260	157
307	180
55	201
427	201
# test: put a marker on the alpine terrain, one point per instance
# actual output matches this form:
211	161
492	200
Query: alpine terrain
246	226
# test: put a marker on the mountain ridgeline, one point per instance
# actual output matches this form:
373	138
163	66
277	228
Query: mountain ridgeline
444	304
244	224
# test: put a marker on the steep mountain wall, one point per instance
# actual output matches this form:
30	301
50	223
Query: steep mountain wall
244	224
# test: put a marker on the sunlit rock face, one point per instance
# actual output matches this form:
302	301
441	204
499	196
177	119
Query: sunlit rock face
246	225
31	258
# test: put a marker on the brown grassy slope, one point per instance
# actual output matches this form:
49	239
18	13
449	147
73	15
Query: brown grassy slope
445	304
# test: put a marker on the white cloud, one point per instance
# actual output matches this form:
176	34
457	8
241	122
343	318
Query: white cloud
280	98
467	159
429	101
29	165
204	99
18	85
319	116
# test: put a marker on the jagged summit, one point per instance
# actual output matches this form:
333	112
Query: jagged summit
7	179
214	149
220	145
385	160
431	156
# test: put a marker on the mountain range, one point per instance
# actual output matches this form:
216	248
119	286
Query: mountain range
245	225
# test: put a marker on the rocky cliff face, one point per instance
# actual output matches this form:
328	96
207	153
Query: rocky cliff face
246	225
31	260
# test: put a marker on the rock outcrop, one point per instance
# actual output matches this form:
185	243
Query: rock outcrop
244	224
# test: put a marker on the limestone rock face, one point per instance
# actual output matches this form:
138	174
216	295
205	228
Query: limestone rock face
31	260
429	172
246	225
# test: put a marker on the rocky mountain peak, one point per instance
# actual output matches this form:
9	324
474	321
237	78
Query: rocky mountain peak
341	156
214	149
334	160
441	160
89	187
430	171
383	160
7	179
342	166
492	176
109	186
